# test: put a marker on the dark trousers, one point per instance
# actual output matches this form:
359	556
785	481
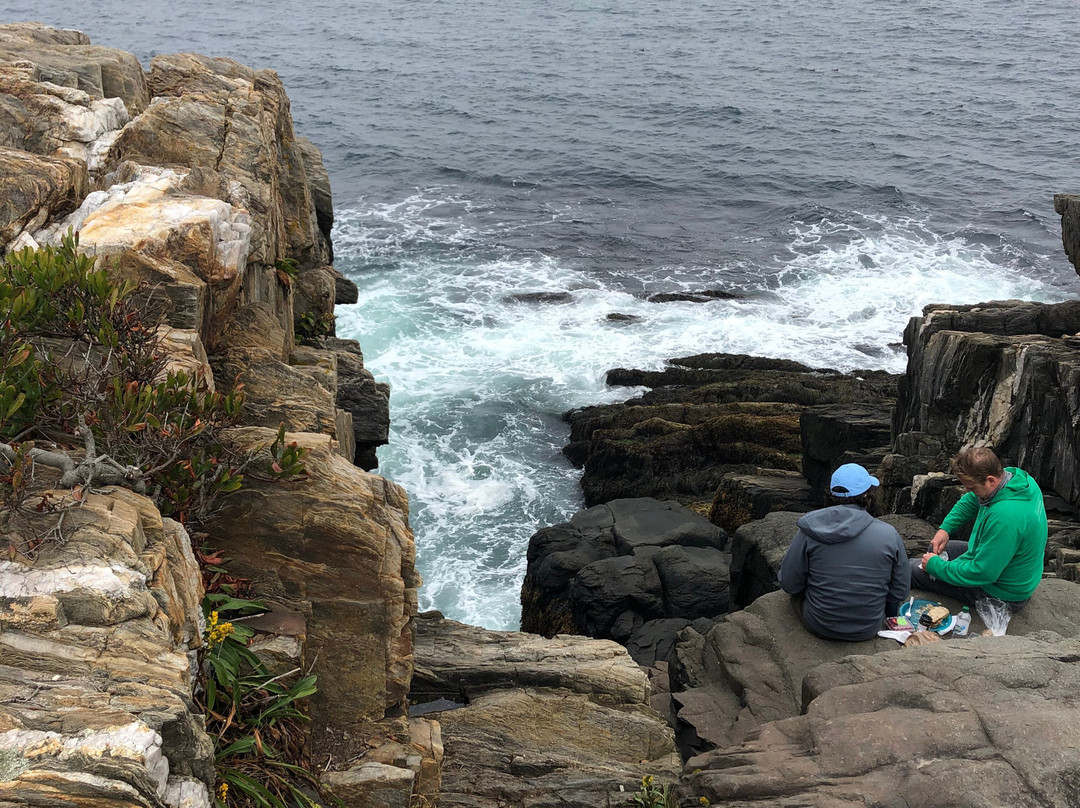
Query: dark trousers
920	579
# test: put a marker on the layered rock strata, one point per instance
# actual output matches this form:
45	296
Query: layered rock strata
537	722
704	416
99	623
190	179
1003	374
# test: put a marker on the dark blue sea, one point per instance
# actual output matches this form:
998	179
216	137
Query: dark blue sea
839	163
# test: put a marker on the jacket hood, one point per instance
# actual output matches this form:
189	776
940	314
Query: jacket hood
835	525
1020	486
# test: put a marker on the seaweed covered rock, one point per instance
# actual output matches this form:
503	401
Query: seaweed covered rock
703	417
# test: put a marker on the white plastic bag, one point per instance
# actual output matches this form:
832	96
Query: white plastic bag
995	614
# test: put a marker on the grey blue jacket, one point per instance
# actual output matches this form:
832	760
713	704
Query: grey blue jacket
851	568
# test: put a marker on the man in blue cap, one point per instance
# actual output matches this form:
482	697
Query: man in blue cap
849	569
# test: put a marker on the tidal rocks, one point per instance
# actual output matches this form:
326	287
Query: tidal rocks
1068	208
615	570
706	416
562	722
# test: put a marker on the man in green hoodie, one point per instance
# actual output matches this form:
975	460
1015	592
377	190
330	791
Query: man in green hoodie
1004	556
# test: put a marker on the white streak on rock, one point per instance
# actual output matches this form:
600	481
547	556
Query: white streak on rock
19	581
134	742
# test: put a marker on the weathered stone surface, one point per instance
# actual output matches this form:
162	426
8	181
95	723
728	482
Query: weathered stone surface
741	498
367	400
95	632
1068	208
749	669
987	721
548	748
615	567
277	393
1002	373
373	785
528	721
34	189
345	290
830	431
66	58
184	352
757	548
196	243
339	539
314	294
459	662
218	114
318	181
254	326
64	97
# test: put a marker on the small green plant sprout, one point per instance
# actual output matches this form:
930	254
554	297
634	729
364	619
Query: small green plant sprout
287	459
651	795
311	327
287	269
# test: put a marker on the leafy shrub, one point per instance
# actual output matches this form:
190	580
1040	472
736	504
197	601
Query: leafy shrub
82	364
311	327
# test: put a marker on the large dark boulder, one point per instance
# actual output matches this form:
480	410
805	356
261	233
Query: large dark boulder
635	571
1068	207
834	434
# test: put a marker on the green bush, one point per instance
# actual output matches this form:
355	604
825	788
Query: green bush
82	364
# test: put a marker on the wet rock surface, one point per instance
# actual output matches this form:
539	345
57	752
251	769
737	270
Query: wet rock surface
705	416
632	570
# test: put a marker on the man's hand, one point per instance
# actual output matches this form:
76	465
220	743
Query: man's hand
937	544
925	559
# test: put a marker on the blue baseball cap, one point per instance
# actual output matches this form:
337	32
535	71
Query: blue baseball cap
850	480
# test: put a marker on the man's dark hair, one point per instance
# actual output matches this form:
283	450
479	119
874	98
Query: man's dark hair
977	463
863	500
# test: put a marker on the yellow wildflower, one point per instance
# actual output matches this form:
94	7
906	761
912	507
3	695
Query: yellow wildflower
217	632
223	791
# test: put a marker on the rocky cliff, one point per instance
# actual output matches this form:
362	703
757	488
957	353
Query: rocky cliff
188	178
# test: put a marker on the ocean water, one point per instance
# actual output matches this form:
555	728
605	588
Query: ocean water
838	163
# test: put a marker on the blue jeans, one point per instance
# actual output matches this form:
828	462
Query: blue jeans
920	579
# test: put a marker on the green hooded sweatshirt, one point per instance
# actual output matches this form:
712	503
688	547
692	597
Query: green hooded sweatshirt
1005	552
